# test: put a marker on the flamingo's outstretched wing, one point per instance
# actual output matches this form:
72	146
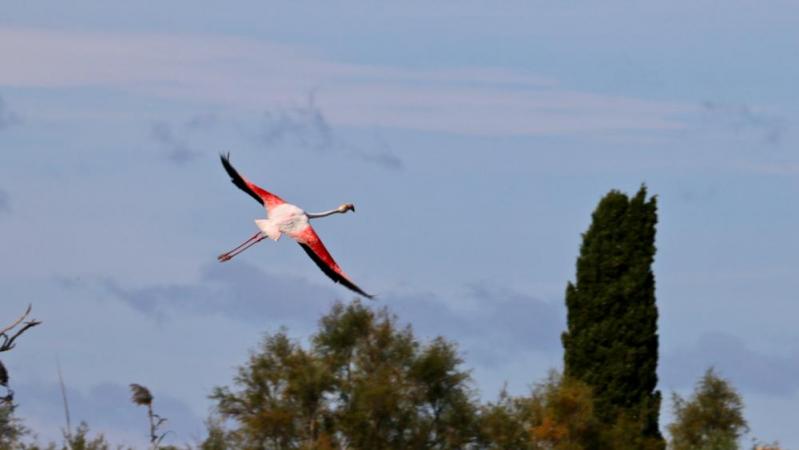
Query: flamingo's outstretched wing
313	246
268	199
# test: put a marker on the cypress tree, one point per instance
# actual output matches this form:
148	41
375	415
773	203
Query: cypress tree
611	341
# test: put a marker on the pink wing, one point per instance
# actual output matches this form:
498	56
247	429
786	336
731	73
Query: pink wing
313	246
268	199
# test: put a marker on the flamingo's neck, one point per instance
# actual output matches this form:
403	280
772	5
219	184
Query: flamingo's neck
323	214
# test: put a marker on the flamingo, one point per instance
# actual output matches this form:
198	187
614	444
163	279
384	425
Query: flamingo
288	219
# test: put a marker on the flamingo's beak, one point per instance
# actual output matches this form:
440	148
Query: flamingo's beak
346	207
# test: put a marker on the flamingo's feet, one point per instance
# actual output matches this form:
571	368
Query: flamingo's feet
224	257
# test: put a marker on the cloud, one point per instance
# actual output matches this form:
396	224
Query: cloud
202	121
5	202
307	127
107	409
773	168
379	153
7	117
384	158
743	118
304	126
240	291
747	369
497	323
177	150
492	324
699	195
525	320
249	73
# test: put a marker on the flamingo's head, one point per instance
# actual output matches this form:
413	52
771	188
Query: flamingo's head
346	207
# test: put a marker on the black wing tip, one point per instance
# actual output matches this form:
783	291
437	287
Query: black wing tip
225	158
332	274
363	293
237	179
358	290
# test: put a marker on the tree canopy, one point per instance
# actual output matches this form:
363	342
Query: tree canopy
364	383
711	419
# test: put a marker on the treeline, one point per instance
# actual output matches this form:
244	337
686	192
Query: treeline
364	381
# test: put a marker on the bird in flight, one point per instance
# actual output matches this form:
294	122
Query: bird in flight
288	219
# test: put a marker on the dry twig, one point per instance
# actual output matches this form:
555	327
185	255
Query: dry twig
8	343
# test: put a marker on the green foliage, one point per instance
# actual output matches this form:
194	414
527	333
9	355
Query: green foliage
506	424
218	438
11	429
558	415
12	433
625	432
364	383
79	440
611	342
711	419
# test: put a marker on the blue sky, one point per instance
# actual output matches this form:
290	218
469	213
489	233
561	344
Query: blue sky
475	139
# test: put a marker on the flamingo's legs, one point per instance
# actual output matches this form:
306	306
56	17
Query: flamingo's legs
257	237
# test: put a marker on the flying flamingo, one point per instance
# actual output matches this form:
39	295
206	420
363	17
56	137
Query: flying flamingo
285	218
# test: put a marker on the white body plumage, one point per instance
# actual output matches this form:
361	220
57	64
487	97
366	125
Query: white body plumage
285	218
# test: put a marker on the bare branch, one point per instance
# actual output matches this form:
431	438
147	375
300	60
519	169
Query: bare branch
8	342
18	321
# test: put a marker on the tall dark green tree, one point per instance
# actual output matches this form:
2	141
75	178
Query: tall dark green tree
611	341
